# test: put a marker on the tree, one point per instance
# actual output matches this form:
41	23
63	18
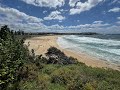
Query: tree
12	56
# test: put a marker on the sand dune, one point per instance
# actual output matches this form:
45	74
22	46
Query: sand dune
42	43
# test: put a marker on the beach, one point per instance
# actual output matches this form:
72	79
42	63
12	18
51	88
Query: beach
42	43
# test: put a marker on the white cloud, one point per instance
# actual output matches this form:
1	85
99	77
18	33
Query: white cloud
44	11
55	27
46	3
95	24
116	9
19	20
115	2
15	18
55	15
14	13
118	22
114	29
73	2
62	10
79	6
118	18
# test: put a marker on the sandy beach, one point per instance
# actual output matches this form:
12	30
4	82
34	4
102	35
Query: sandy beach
42	43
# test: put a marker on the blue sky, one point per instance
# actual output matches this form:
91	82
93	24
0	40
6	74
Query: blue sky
102	16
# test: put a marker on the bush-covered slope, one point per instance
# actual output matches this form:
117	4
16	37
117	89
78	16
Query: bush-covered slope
23	70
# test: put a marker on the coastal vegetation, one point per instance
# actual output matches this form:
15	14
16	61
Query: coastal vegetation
21	69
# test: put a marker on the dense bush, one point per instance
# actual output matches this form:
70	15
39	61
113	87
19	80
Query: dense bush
12	56
23	70
55	56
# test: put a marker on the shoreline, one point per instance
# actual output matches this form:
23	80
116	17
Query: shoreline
42	43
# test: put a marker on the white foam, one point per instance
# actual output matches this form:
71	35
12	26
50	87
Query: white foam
102	48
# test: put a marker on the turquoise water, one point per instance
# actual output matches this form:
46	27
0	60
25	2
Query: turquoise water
105	47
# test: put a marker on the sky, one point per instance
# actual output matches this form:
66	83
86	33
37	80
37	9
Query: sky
101	16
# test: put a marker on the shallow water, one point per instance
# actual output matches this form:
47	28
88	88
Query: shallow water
105	47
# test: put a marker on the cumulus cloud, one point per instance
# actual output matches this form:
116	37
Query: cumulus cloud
118	18
56	26
19	20
15	18
118	22
14	13
115	10
63	10
55	15
78	6
72	3
95	24
46	3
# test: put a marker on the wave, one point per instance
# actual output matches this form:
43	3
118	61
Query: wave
106	49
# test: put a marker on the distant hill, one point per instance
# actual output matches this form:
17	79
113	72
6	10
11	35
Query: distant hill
54	33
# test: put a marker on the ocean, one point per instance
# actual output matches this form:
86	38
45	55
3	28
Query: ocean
104	47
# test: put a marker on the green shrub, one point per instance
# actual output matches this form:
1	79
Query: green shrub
88	86
12	56
53	86
64	76
29	85
55	56
21	71
104	86
48	69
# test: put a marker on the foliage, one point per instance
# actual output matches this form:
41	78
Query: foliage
23	70
12	55
74	76
55	56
